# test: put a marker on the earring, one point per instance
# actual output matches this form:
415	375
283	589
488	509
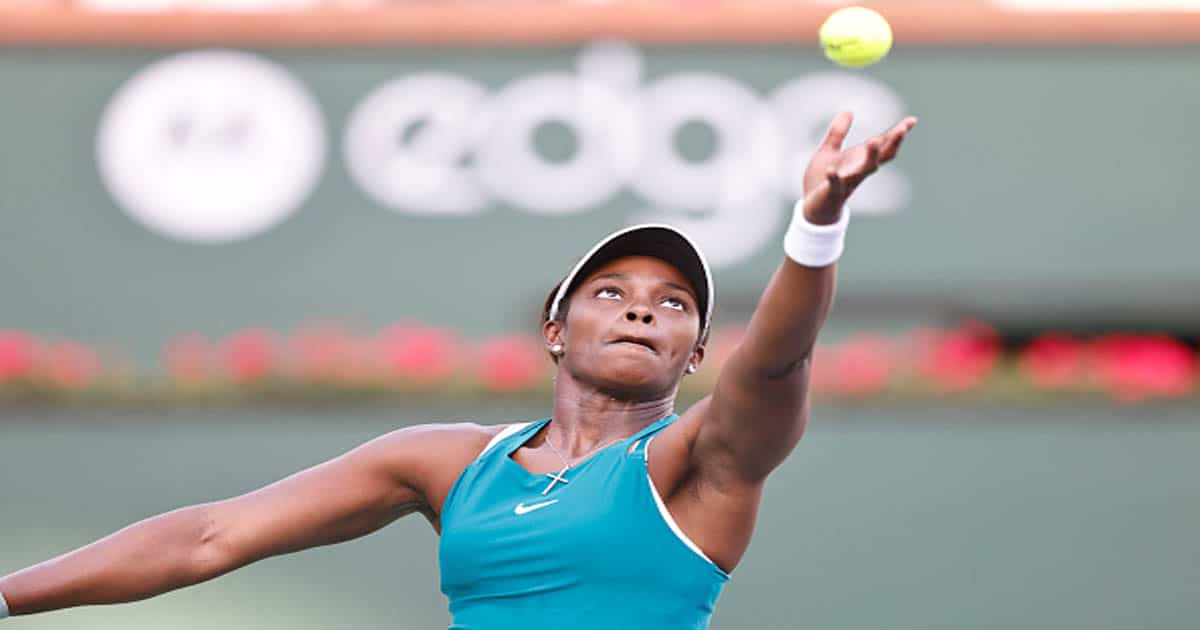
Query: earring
556	349
690	369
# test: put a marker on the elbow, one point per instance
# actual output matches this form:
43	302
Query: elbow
771	364
786	370
783	370
208	556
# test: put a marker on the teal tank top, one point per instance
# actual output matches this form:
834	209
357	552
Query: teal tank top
597	552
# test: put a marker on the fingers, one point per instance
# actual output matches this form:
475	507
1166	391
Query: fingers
860	162
855	164
838	130
874	146
837	186
893	138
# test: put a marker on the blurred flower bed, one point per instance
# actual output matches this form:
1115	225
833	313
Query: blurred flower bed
332	363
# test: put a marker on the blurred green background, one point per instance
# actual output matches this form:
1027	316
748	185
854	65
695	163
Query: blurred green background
1073	518
1045	187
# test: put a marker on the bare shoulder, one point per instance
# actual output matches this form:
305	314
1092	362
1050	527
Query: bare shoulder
442	437
430	457
670	458
712	509
680	459
432	447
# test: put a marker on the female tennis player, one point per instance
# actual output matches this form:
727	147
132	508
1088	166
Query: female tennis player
612	513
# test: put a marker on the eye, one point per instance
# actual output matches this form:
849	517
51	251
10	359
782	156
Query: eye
675	303
608	293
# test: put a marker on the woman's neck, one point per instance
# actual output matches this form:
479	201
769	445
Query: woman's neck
586	419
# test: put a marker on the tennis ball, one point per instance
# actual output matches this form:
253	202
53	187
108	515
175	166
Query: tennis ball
856	37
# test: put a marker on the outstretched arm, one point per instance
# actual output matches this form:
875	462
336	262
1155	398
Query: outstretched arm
344	498
758	410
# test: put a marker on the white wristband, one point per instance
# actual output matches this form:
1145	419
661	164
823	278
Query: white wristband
3	607
815	245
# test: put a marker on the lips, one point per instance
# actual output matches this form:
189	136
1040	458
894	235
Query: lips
641	342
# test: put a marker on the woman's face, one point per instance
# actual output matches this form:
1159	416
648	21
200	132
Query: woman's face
631	328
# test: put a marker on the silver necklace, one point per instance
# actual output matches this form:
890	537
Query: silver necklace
559	477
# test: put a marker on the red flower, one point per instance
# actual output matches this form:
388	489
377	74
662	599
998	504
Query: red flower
417	353
863	364
823	369
1136	368
324	353
721	344
18	355
249	355
511	363
72	365
189	358
1054	361
960	359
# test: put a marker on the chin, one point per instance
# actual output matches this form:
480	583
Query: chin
633	382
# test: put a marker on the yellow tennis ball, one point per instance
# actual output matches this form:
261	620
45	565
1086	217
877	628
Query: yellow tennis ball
856	37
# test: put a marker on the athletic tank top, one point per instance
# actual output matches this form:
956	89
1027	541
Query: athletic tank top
597	552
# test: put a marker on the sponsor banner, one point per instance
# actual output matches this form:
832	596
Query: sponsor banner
213	188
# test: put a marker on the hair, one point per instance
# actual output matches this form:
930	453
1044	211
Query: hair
562	308
562	311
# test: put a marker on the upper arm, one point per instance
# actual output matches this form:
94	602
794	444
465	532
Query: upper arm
751	422
759	407
344	498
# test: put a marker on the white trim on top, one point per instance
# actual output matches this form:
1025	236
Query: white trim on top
505	432
666	516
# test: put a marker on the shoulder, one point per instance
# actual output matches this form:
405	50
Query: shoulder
670	458
453	440
430	457
680	455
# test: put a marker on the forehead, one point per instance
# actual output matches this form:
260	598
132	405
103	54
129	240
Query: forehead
644	267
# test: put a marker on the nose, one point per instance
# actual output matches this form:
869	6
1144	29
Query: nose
639	313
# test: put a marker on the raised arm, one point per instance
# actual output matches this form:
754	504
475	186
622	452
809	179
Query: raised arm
344	498
758	410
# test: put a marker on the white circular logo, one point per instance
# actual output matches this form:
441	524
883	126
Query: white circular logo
211	146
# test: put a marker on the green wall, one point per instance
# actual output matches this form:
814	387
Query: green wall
1045	184
930	518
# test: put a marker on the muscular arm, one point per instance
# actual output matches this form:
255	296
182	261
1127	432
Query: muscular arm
344	498
758	411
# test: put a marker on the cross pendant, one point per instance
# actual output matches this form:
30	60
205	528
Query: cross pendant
556	478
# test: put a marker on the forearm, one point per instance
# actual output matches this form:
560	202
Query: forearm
757	413
759	408
793	308
148	558
788	318
790	312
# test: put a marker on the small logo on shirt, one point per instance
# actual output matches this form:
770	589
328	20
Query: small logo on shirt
525	509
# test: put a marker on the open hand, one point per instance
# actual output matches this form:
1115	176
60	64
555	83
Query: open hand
833	173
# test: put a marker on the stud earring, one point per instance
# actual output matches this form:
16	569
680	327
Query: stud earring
556	349
690	369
